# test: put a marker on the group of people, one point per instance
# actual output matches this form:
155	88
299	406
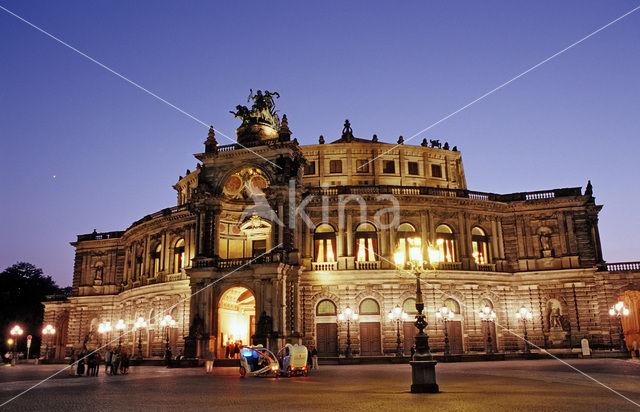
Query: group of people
116	361
232	350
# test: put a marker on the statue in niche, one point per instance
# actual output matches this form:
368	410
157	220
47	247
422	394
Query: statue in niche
555	318
545	242
97	280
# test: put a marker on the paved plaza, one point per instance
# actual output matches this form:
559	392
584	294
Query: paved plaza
473	386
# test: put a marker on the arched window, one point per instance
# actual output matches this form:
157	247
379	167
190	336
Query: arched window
178	256
152	317
138	268
325	243
366	243
326	308
155	260
484	303
404	232
480	244
369	307
409	306
452	305
445	241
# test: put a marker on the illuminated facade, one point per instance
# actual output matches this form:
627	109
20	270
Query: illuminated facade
234	261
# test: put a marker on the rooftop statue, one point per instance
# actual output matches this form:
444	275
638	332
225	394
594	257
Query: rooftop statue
262	111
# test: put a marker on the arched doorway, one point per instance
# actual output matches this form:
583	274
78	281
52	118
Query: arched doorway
454	327
326	328
236	318
370	344
631	322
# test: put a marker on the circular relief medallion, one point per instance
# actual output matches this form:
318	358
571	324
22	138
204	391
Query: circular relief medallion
232	186
236	230
222	228
257	184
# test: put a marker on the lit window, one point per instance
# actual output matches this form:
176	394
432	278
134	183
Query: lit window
445	242
413	168
335	166
326	308
388	166
436	171
480	244
362	166
325	244
178	255
409	306
310	168
369	307
366	243
404	232
155	260
452	305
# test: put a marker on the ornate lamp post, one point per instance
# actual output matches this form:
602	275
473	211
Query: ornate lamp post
423	372
445	315
398	315
619	310
139	325
525	315
120	327
167	322
487	316
349	315
16	332
47	331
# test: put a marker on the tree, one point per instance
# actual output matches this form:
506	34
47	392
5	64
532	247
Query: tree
23	287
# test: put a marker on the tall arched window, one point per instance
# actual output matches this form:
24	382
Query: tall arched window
404	232
452	305
366	243
369	307
325	243
480	244
178	255
137	275
155	260
445	241
326	308
486	303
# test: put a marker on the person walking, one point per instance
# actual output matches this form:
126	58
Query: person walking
115	363
167	357
81	362
226	352
125	363
314	358
72	363
107	362
98	360
236	351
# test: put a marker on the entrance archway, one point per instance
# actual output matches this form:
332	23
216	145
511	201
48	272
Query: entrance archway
236	318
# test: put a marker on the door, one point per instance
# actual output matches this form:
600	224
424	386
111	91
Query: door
454	328
369	338
489	329
409	336
327	339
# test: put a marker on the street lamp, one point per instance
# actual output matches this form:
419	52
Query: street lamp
104	328
16	332
423	372
120	326
525	315
487	315
445	315
46	332
167	322
398	315
619	310
139	325
349	315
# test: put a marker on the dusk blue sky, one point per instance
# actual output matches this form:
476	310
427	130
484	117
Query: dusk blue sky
391	68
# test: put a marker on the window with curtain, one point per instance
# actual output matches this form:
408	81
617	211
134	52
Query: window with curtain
445	241
155	260
366	243
325	243
178	256
480	245
404	232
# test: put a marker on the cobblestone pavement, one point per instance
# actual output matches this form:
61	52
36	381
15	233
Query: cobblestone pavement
479	386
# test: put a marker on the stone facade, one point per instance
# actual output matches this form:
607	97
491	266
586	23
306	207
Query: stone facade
234	227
